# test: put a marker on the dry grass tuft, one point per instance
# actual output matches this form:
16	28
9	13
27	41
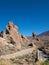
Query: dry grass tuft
5	62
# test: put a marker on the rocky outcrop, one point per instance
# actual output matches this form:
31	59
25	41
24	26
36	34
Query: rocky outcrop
35	37
6	48
25	40
12	30
2	34
12	36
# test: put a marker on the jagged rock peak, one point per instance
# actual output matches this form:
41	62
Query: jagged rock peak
10	27
12	30
34	35
2	34
10	24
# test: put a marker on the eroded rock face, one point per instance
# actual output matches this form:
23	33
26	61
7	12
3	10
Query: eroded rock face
12	30
34	35
25	40
2	34
12	36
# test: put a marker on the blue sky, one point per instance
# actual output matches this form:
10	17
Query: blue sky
29	15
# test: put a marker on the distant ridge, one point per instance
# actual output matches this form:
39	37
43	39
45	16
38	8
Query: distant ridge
42	36
46	33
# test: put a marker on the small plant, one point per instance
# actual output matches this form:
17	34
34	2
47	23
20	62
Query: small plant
45	63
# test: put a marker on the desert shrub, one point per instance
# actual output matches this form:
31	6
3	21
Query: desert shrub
45	63
28	59
42	63
5	62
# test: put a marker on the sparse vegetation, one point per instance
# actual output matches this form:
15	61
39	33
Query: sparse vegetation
5	62
27	59
11	42
45	63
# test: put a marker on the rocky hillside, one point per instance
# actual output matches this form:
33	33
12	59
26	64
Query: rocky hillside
12	40
44	34
19	49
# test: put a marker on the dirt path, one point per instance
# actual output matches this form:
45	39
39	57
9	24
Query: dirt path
17	54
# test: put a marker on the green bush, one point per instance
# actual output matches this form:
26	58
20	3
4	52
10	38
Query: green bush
45	63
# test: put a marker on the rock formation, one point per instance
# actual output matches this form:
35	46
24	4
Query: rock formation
25	40
12	36
34	35
12	30
2	34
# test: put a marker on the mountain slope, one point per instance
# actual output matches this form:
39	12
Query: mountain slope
44	34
